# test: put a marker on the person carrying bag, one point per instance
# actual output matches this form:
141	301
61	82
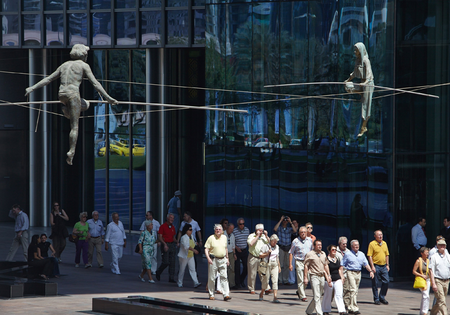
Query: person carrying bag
422	280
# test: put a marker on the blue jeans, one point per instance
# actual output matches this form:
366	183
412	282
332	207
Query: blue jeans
382	275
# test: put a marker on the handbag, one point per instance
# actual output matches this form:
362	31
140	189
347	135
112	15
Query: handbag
137	249
73	238
262	267
419	282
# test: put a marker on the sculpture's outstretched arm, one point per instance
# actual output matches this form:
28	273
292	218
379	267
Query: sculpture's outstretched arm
45	81
97	85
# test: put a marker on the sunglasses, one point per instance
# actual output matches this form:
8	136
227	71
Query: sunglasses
190	230
333	249
241	223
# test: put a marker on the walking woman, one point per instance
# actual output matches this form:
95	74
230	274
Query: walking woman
421	269
186	256
146	242
81	229
271	253
337	281
58	219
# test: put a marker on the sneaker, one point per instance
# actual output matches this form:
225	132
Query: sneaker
197	285
87	266
180	285
151	281
77	265
100	266
142	279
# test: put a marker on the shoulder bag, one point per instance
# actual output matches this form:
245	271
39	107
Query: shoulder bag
419	282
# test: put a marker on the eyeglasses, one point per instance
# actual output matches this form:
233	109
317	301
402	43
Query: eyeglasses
309	227
333	249
190	230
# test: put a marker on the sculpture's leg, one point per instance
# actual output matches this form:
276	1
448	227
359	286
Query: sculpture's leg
73	109
363	127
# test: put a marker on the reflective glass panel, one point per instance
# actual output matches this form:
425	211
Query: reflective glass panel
177	3
10	5
77	28
238	181
54	29
31	5
31	29
125	4
101	4
151	28
215	185
77	4
198	3
10	30
150	3
126	28
199	26
101	28
177	27
53	5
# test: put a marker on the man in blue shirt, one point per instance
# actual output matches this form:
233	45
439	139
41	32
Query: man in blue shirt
284	232
96	238
354	261
21	230
174	207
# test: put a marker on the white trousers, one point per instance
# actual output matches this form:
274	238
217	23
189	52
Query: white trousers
218	265
299	268
425	302
328	295
116	255
317	283
190	263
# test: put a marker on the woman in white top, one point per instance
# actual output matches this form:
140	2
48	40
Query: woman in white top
186	256
270	253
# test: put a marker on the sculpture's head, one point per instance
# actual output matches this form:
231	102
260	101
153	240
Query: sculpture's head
79	52
360	50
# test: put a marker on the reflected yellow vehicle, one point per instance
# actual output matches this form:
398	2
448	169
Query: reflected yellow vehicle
120	148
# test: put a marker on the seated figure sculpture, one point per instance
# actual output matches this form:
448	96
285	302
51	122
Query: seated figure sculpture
72	73
363	71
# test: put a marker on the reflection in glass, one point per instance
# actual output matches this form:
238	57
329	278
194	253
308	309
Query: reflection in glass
118	70
10	30
32	29
198	3
177	30
101	4
126	28
199	26
77	4
150	3
125	4
138	95
31	5
215	185
54	24
151	28
10	5
53	5
238	180
101	28
77	28
177	3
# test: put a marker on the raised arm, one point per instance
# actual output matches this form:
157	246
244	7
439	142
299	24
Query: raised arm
45	81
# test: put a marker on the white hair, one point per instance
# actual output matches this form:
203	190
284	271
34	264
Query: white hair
259	226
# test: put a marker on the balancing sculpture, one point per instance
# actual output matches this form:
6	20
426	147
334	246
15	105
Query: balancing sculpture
363	71
72	73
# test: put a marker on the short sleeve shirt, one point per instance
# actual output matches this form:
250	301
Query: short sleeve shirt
378	252
217	246
316	262
195	228
168	232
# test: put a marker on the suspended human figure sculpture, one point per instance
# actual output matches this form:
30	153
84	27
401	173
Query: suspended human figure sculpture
72	73
363	71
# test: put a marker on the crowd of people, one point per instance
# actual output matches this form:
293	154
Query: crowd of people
292	254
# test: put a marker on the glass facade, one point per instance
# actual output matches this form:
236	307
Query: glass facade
102	23
297	151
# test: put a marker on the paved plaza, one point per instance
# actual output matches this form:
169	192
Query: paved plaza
78	286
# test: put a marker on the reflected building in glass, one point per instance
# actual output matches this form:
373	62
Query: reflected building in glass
295	152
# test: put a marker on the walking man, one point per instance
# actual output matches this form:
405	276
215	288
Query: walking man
21	230
340	253
284	229
231	244
156	225
167	236
418	236
115	236
255	242
299	248
96	239
354	261
440	274
316	265
217	255
174	207
241	233
378	254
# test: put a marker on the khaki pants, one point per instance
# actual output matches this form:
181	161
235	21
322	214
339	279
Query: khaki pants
353	278
346	291
218	265
16	243
284	264
272	272
252	267
300	267
230	270
317	283
441	293
97	244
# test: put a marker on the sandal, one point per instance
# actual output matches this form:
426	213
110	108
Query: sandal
43	277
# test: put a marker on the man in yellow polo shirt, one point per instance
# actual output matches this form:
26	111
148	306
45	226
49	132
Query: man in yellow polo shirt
217	255
378	255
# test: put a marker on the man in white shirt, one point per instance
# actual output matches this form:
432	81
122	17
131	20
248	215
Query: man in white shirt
418	236
439	275
156	225
196	234
115	236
